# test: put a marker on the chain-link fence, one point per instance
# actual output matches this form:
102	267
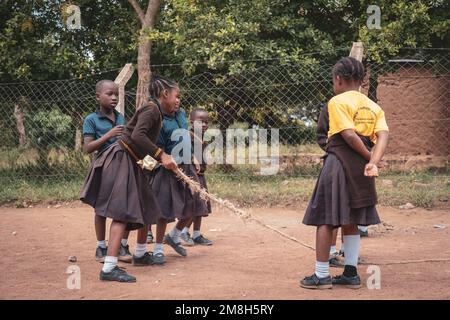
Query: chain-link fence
42	121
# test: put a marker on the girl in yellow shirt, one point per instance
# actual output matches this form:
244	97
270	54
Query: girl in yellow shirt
345	194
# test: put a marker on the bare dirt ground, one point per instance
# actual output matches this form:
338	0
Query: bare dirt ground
246	261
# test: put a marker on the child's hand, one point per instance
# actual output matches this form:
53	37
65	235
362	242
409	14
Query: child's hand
168	162
371	170
116	131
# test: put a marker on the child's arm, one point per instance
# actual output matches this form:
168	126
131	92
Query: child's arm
90	145
145	122
322	128
371	169
355	142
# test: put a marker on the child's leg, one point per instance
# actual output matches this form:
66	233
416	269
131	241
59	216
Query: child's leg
350	276
124	252
100	226
185	236
333	249
351	239
176	231
321	278
141	257
324	236
110	271
173	237
197	237
100	229
160	232
188	225
116	232
126	234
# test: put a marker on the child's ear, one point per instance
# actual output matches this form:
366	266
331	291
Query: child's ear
165	93
97	96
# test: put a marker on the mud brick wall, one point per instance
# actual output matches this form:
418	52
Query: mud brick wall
417	107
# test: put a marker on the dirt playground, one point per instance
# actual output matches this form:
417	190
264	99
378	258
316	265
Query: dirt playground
247	261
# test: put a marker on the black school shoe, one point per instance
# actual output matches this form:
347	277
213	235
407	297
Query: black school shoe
145	260
100	254
349	282
176	246
202	241
313	282
125	254
117	274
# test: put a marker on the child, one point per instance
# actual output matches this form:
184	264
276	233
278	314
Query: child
100	130
345	194
199	121
174	197
118	188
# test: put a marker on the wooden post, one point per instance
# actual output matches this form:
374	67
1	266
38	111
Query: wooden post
121	80
18	115
78	139
357	52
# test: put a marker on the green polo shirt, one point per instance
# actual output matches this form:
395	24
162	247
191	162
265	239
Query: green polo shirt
97	124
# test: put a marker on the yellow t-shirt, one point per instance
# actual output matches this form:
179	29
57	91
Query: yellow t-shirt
354	110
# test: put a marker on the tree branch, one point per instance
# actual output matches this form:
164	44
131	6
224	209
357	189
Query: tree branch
138	10
152	10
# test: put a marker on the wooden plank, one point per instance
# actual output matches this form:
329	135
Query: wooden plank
121	80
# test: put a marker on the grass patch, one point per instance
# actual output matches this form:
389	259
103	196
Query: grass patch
421	189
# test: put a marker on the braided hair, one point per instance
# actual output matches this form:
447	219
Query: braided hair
349	68
159	83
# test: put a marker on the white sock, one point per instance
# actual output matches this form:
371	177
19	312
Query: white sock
196	234
175	234
352	249
185	230
322	269
363	228
110	263
124	242
333	250
141	249
342	247
158	247
101	244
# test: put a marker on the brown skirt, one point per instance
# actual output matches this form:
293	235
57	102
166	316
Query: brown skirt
118	189
330	202
175	198
202	180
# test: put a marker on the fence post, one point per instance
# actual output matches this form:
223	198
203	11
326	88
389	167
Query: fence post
357	51
19	117
121	80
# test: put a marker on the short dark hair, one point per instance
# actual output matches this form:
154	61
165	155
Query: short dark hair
349	68
159	83
99	86
193	113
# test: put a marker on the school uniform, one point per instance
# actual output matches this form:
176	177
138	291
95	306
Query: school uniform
203	165
174	197
343	195
97	124
116	186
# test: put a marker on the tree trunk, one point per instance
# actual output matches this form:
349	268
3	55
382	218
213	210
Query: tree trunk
78	139
144	73
18	115
147	21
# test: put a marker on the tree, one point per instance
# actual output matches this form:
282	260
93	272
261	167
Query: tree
147	21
